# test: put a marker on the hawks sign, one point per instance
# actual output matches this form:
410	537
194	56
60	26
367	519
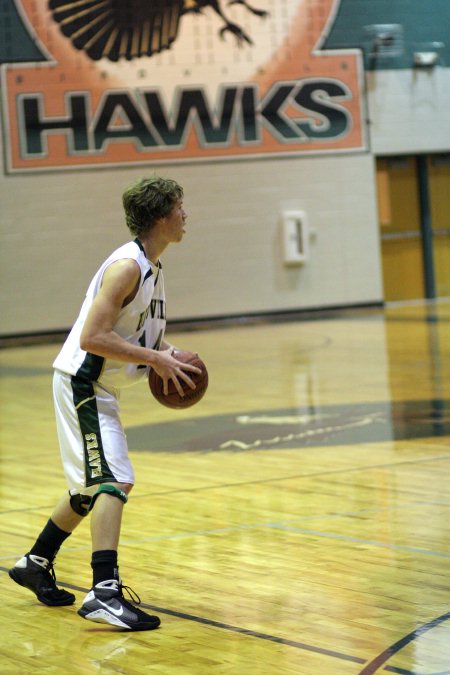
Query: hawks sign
130	81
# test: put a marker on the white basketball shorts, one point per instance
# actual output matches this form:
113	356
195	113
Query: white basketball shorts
93	444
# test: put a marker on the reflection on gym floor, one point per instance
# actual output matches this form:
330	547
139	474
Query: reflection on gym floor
295	521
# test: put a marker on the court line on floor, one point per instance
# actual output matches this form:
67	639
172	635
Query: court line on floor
316	474
381	659
289	526
257	526
232	628
356	540
279	640
336	514
279	479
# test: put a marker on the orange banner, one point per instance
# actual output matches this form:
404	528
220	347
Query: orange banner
179	80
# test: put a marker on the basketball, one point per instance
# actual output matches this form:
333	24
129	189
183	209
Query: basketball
192	396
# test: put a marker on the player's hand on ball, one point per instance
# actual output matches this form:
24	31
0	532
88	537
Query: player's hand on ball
193	385
170	368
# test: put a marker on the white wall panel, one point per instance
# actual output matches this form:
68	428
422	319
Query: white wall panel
57	227
409	110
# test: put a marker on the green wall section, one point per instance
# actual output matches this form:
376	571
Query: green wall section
15	42
423	21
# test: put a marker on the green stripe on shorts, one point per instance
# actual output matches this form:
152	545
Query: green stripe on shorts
95	465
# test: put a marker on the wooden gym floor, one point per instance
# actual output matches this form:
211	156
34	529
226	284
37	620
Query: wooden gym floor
295	521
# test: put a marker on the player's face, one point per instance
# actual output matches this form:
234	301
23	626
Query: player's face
175	221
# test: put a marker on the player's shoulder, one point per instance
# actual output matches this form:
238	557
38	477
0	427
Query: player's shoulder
121	279
125	258
123	267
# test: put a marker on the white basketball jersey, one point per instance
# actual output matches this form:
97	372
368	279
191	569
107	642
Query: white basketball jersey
141	322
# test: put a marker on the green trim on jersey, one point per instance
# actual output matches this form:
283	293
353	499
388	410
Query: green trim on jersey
92	367
95	465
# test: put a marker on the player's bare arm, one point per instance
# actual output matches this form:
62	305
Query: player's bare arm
119	285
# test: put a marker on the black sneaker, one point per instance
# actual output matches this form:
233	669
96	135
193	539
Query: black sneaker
38	575
105	604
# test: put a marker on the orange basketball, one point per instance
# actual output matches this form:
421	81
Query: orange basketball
191	396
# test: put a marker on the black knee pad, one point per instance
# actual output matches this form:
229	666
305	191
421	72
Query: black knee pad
80	504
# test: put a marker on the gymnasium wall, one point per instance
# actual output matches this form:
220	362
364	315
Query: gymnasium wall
61	213
408	105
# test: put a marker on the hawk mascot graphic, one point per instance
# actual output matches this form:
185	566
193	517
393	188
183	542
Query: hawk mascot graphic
129	29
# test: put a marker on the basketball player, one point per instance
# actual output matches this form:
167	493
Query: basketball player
119	333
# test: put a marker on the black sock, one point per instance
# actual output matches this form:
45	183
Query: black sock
104	566
49	541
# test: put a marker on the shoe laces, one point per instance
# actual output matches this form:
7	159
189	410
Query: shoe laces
51	571
47	566
134	597
48	569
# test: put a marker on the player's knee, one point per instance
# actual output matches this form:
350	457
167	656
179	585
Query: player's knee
117	491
